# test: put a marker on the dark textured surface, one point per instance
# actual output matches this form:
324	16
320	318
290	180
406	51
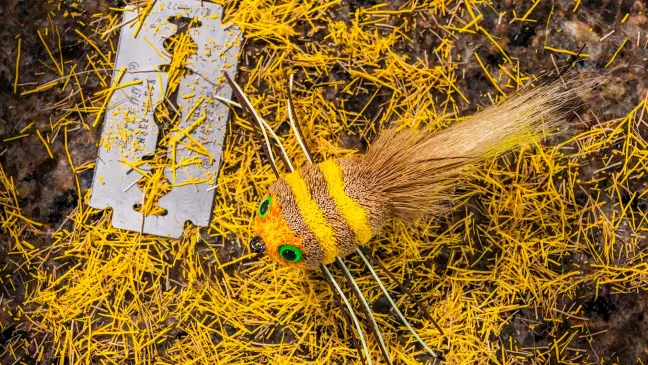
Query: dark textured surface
47	187
44	184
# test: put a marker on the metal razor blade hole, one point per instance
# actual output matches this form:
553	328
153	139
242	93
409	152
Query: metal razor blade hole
131	132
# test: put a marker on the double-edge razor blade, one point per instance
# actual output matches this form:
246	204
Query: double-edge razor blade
130	132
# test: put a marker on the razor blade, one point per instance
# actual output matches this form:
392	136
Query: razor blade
130	132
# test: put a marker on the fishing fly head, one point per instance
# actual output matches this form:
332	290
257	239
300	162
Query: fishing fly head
276	238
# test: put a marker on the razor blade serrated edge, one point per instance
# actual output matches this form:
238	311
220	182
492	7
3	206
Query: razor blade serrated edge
130	132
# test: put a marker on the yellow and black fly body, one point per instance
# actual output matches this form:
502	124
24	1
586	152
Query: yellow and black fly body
318	214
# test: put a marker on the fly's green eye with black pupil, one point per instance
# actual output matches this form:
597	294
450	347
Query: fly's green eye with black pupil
264	207
290	254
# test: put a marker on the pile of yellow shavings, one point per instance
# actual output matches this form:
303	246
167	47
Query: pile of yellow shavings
14	224
109	296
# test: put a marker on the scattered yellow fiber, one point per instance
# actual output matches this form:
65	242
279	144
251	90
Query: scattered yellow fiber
67	150
118	86
93	45
547	25
492	80
616	53
41	88
526	15
107	296
49	52
142	16
26	127
565	51
469	25
157	51
625	18
17	66
40	136
109	94
490	37
578	2
372	78
15	137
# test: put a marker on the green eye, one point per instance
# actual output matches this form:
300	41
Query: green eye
290	254
264	207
